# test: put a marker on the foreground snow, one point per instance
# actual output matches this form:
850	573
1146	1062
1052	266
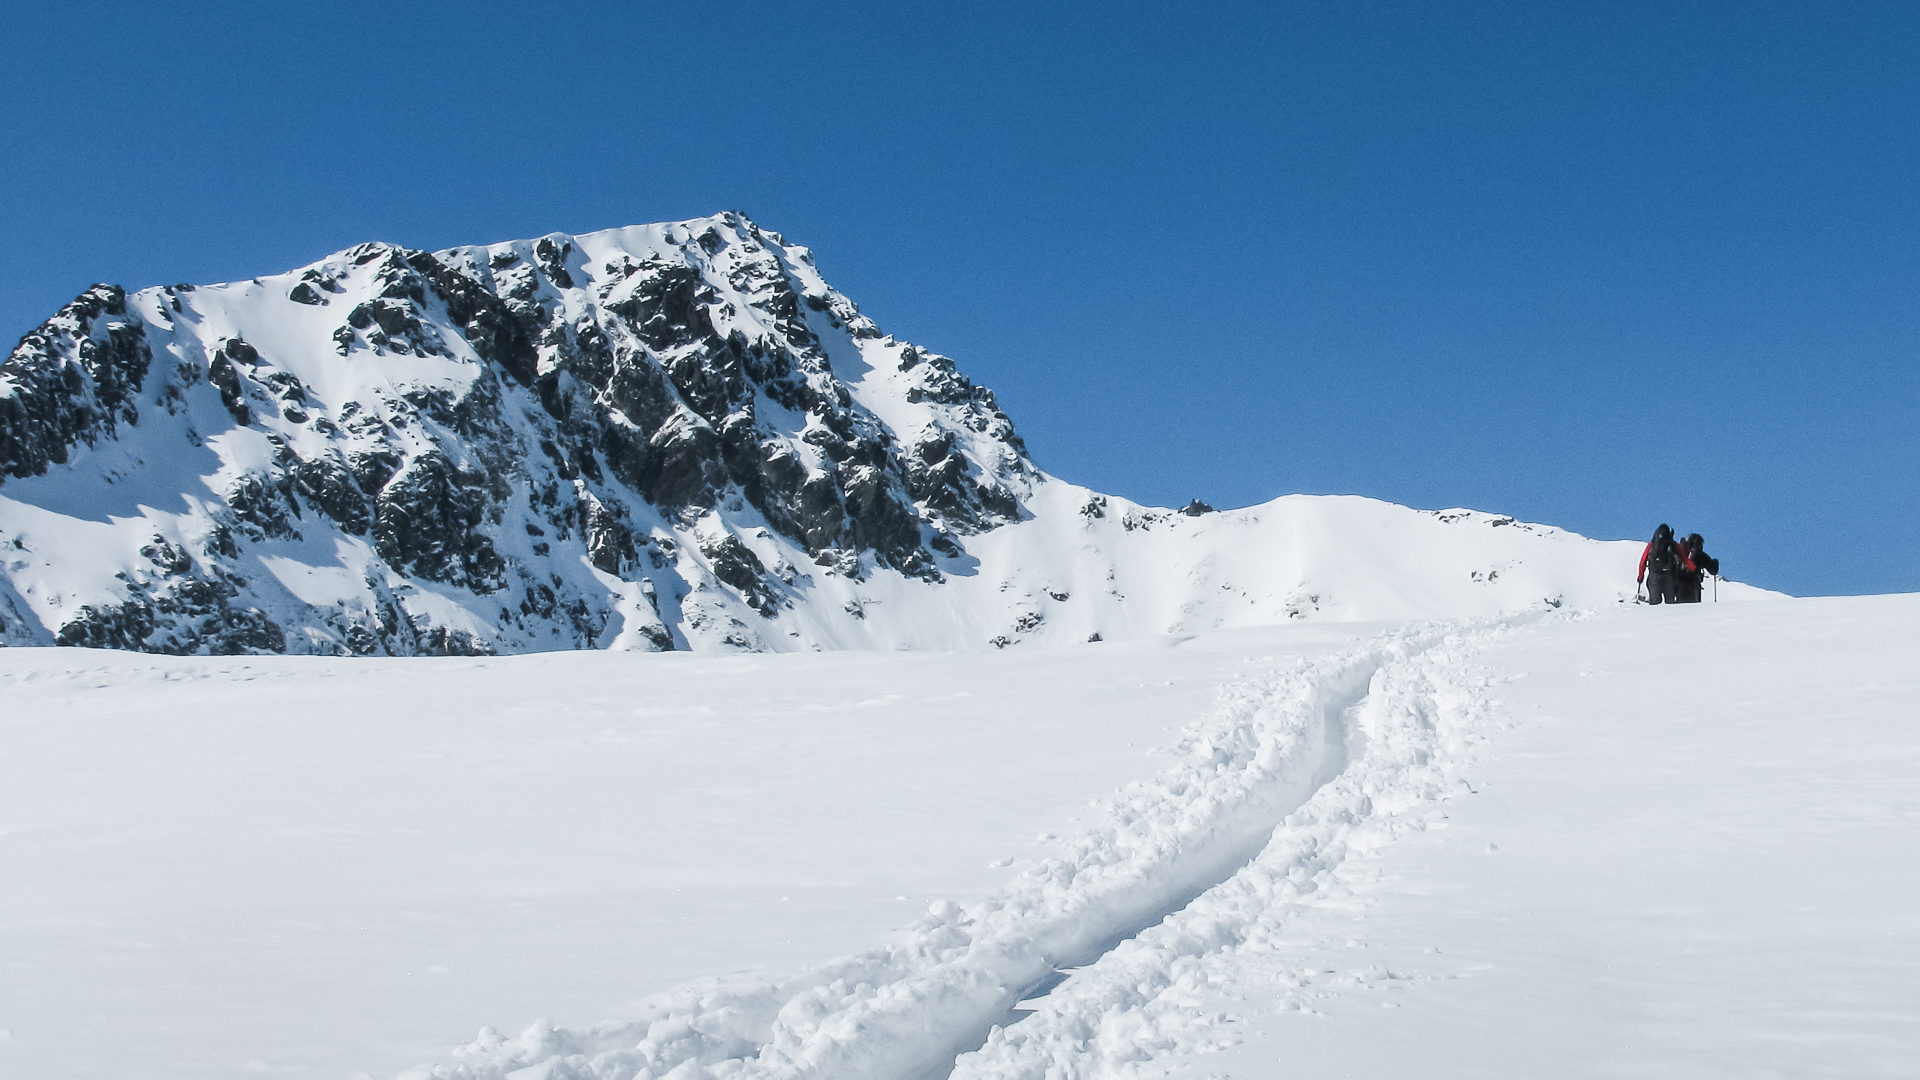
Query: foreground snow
342	866
1684	849
1556	849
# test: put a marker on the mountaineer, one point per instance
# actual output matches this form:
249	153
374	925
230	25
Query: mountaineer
1661	565
1695	563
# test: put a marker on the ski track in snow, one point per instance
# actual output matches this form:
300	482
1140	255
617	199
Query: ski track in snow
1292	772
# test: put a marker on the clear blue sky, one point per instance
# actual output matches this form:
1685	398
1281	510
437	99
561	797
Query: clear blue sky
1598	266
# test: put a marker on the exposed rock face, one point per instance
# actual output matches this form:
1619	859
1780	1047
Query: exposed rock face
73	380
650	437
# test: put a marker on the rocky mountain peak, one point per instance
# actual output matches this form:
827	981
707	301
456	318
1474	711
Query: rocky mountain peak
568	440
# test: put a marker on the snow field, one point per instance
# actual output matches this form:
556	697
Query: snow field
1657	842
330	868
1661	843
1689	850
904	1010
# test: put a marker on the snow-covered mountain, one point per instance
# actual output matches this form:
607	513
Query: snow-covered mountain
660	437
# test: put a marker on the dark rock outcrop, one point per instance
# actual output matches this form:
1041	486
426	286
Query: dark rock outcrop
72	380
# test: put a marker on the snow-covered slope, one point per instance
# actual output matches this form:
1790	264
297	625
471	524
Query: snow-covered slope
1661	842
659	437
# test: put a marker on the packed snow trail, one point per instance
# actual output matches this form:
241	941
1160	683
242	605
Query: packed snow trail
1418	722
1272	755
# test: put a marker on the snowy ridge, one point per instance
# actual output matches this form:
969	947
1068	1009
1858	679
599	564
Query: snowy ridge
672	436
1276	748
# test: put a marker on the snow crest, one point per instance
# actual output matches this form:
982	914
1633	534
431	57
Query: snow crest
1270	792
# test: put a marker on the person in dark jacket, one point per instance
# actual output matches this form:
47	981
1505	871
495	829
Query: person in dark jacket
1695	565
1661	563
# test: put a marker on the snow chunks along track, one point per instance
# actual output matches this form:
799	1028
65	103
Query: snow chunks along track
1204	858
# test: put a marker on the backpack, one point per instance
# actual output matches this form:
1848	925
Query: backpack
1662	555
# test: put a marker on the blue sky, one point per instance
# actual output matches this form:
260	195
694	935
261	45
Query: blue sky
1598	268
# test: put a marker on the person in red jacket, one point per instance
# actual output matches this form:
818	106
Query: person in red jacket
1693	555
1661	564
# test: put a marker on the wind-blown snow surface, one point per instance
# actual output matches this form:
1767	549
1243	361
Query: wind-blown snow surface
672	436
1655	842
